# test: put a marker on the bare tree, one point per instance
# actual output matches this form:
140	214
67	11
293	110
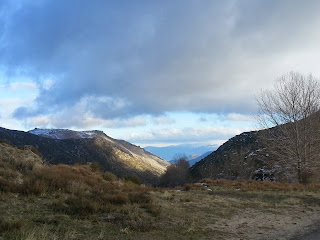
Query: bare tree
178	173
291	113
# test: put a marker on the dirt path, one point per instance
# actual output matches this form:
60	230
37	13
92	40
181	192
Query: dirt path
296	224
311	233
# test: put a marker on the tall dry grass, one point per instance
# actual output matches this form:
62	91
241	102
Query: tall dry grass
78	189
15	163
251	185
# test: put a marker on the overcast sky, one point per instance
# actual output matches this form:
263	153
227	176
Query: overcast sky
150	72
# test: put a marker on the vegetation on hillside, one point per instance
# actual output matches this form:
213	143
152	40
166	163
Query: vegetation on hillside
118	157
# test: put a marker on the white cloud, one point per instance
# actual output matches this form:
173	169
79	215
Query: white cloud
19	85
185	135
239	117
163	120
85	123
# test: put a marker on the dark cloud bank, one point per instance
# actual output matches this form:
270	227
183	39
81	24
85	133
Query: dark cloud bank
125	58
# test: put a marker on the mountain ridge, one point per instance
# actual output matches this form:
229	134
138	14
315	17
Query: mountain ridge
71	147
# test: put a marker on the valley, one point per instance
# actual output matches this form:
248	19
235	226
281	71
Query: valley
77	201
169	120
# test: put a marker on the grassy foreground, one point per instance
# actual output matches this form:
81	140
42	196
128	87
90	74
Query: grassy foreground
211	210
39	201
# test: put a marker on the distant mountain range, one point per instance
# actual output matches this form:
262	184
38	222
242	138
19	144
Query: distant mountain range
69	147
195	159
193	152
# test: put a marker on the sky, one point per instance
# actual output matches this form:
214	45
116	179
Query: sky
150	72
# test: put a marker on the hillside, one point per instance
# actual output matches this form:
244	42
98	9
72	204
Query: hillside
232	160
244	156
197	158
16	162
70	147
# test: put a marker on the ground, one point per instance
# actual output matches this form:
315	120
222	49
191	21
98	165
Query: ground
212	210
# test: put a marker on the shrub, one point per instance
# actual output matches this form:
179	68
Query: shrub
62	178
306	176
118	199
95	167
133	179
139	197
76	205
251	185
108	176
152	209
177	174
21	161
9	225
7	185
34	186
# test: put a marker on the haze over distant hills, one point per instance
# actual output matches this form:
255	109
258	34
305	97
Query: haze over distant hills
192	151
69	147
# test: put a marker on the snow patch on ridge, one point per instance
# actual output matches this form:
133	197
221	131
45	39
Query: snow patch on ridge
63	133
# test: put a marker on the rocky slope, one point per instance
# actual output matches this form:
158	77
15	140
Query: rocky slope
288	152
244	156
70	147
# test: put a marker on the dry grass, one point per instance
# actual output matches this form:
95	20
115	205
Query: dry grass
14	164
20	160
251	185
71	179
127	211
74	202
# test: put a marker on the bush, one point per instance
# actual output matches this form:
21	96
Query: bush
133	179
95	167
139	197
252	185
152	209
177	174
9	225
7	186
118	199
306	176
108	176
76	205
34	186
62	178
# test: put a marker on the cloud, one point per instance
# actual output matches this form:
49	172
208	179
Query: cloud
239	117
163	120
86	122
203	119
19	85
124	59
186	135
